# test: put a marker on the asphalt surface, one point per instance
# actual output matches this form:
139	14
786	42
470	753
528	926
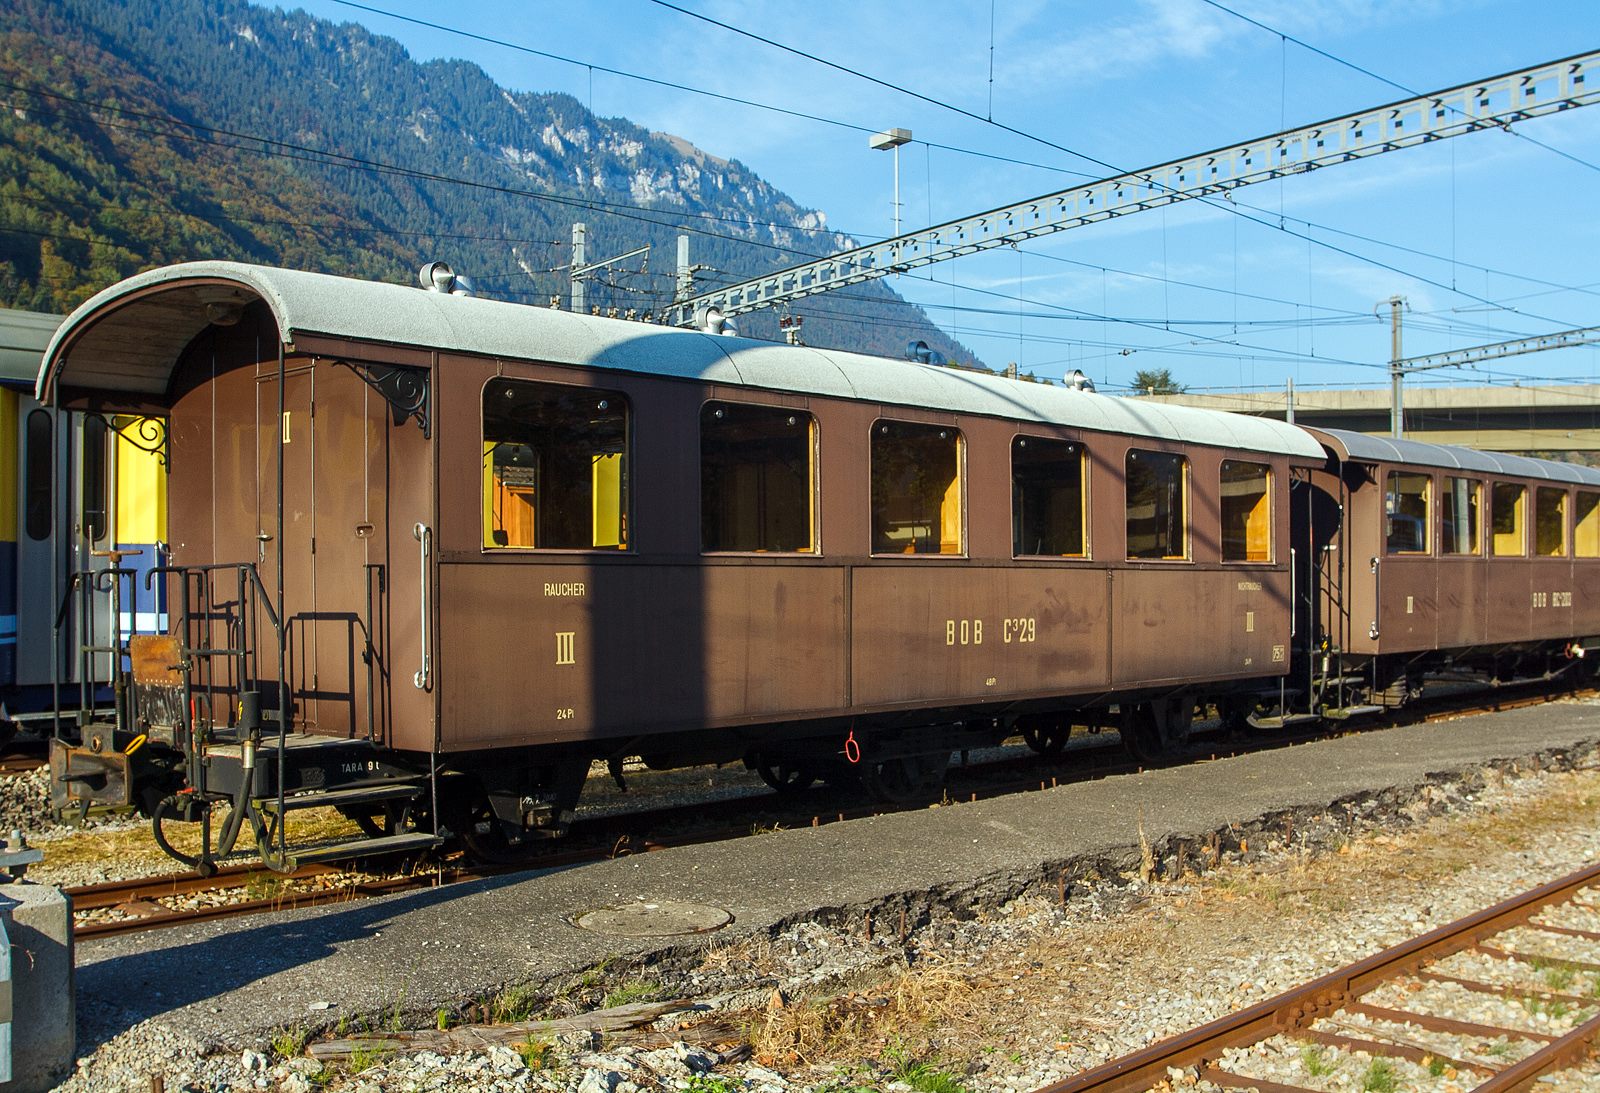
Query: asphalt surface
235	980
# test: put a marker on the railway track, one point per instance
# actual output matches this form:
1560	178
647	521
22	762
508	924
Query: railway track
1536	954
139	901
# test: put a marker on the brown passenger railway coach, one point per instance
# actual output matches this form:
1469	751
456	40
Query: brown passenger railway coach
483	545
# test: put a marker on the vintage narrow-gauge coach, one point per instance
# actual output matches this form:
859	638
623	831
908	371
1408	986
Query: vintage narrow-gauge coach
486	544
1428	556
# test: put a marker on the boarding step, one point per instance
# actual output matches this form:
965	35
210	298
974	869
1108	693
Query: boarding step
367	848
1344	713
1280	722
344	798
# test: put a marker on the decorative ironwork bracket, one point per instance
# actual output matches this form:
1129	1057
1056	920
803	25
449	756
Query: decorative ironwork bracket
404	389
148	434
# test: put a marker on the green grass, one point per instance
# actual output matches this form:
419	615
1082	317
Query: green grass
1559	978
710	1083
1380	1077
924	1077
536	1054
514	1004
1437	1066
632	992
1316	1063
363	1059
1498	1050
289	1042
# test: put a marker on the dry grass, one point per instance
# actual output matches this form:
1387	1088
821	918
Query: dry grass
137	845
1054	989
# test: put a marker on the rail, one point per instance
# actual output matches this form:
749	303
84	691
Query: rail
1295	1012
642	831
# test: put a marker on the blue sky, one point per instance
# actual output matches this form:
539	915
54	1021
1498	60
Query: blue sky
1507	229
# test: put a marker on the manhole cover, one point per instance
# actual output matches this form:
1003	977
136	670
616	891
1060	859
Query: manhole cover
640	919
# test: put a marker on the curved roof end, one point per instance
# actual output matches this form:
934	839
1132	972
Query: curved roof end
126	339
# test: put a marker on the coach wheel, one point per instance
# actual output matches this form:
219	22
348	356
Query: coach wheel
786	776
1157	730
483	835
895	781
1047	740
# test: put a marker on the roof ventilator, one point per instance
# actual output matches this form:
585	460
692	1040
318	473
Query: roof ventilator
439	277
713	321
1078	381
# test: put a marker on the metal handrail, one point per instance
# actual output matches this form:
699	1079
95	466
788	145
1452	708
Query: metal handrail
424	678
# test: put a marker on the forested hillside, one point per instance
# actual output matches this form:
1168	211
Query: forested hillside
143	132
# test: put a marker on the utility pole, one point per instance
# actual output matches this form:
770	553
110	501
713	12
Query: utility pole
685	272
580	237
892	138
1288	402
1397	375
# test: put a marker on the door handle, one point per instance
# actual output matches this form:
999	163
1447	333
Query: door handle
1377	599
424	678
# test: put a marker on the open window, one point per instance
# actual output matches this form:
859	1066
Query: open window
1246	511
916	488
1157	506
756	473
1586	525
1047	498
1405	507
1508	519
555	467
1458	515
1550	522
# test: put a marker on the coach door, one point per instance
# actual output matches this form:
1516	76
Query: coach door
355	485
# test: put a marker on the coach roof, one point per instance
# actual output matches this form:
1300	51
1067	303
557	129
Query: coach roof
1383	449
125	341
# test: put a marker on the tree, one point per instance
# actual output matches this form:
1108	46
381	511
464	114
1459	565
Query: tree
1157	381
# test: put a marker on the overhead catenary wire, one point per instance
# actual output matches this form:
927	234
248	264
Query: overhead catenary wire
318	156
691	89
1226	206
743	222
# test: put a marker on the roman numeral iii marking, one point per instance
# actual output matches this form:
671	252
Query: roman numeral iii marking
564	644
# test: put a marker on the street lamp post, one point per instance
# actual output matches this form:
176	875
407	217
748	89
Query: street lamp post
892	138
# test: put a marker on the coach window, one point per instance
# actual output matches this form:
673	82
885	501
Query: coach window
916	488
1046	498
1158	506
1586	525
755	478
1458	515
1550	522
95	477
1405	507
1246	512
37	455
555	467
1506	518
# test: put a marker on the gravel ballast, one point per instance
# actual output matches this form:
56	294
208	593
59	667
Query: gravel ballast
999	984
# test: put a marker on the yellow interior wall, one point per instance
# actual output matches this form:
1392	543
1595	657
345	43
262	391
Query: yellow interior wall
1586	533
607	494
950	514
1258	528
1510	542
141	491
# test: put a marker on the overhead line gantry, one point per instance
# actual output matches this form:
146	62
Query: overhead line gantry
1496	102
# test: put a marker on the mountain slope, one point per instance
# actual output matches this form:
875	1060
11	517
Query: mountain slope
210	128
